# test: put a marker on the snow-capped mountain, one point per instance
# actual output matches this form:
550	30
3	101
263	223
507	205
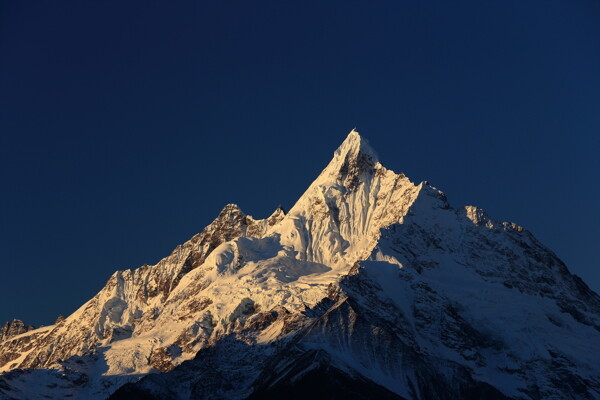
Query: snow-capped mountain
369	287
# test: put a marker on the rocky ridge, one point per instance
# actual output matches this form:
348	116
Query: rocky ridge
14	328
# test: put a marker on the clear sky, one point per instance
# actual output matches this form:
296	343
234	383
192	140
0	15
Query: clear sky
126	126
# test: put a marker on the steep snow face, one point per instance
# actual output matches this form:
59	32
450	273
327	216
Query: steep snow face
466	296
337	220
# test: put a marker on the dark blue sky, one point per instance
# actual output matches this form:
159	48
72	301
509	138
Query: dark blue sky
124	128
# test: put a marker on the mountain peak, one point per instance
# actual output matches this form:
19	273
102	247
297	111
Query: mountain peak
355	144
231	209
353	161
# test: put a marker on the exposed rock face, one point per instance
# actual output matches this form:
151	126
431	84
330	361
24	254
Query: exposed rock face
8	331
14	328
369	285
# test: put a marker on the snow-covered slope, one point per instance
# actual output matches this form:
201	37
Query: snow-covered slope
369	280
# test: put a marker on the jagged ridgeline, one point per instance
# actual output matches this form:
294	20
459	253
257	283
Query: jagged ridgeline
14	328
370	286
